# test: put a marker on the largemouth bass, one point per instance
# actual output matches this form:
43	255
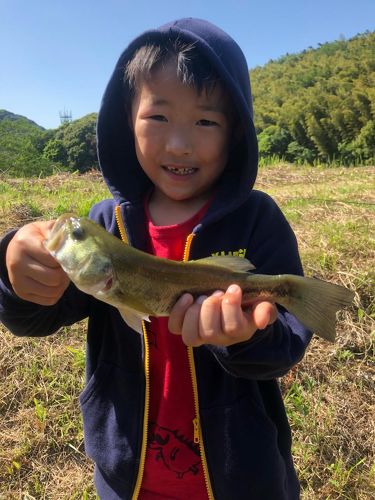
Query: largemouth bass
142	285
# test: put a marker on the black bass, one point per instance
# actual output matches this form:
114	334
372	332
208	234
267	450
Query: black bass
142	285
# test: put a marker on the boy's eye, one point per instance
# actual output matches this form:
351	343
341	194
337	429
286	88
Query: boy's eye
158	118
206	123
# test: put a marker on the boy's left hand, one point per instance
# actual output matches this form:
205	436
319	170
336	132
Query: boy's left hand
219	319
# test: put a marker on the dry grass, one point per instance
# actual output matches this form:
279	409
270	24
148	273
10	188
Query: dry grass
329	395
41	451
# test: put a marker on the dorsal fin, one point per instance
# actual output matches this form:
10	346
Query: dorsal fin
235	263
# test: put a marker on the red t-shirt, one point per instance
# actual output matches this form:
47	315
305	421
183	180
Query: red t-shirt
173	468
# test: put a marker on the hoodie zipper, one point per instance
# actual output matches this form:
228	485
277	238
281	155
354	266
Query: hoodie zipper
120	224
198	439
146	367
146	412
196	421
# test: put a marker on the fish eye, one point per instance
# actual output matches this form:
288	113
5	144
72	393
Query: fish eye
78	233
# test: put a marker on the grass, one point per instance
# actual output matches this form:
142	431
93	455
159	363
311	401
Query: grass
24	200
329	396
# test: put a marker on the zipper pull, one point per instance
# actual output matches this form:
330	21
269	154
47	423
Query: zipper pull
188	242
196	430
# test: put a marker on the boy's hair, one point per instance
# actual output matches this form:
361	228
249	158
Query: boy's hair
192	68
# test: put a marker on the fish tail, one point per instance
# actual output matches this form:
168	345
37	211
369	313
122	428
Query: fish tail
315	302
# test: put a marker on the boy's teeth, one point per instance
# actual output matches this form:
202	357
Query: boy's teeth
180	171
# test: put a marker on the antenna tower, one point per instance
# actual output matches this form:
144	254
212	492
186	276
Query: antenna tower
65	116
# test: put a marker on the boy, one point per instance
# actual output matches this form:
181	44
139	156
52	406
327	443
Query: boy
197	414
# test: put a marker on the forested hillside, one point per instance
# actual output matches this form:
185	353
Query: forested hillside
7	115
28	149
319	104
21	146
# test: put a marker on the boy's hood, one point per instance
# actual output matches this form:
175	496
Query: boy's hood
116	151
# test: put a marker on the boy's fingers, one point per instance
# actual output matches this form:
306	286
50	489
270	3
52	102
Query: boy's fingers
190	327
34	291
50	277
47	260
231	313
210	317
43	290
177	315
29	240
264	314
44	257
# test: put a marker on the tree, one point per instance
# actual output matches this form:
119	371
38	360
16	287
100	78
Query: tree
322	99
74	144
20	143
273	140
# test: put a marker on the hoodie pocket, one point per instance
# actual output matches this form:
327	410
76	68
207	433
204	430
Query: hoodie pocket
111	412
242	447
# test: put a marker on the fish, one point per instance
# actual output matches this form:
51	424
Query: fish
141	285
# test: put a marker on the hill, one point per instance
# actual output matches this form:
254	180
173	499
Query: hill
26	149
21	145
318	104
7	115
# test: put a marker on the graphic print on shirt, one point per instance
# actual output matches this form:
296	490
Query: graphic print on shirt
241	252
178	454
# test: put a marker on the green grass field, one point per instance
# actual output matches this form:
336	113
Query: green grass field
329	396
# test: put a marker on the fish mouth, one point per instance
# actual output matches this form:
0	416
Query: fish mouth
58	233
179	170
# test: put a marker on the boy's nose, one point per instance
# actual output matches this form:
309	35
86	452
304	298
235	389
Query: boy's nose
179	143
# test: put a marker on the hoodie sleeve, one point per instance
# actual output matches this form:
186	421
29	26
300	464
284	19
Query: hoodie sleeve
273	351
24	318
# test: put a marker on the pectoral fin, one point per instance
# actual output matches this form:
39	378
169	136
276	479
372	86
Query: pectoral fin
133	318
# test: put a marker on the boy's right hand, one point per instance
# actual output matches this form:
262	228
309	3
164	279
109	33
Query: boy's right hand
33	273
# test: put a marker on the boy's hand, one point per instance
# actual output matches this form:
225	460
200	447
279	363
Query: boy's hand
34	274
219	319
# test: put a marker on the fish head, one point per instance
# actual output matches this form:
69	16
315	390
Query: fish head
78	245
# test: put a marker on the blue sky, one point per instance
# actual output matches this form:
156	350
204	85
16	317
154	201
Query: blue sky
59	54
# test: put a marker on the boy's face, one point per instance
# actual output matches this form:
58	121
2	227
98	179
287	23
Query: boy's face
182	138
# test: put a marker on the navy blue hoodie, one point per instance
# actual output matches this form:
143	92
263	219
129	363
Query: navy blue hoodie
245	439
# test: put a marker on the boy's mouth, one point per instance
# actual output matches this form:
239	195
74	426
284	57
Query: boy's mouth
180	170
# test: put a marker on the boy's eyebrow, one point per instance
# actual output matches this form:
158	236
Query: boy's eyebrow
160	101
157	101
210	107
